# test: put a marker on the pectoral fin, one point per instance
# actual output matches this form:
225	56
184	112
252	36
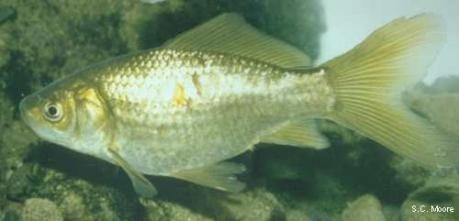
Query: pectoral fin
300	134
219	176
141	185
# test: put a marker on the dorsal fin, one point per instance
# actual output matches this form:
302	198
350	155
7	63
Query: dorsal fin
230	34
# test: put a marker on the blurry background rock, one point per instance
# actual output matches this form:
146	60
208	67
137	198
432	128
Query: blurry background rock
431	202
439	103
37	209
364	208
41	41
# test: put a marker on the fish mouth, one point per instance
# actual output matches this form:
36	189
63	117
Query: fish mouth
26	106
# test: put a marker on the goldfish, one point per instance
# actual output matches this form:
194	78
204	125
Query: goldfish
211	93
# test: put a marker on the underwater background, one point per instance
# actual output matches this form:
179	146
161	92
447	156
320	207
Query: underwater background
355	179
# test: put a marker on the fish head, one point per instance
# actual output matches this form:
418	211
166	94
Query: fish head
71	114
50	113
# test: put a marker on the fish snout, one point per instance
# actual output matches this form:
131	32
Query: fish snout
26	106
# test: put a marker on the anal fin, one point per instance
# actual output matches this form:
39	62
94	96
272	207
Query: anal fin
300	134
141	185
220	176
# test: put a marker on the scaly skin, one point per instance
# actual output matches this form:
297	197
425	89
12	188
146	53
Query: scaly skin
173	110
164	111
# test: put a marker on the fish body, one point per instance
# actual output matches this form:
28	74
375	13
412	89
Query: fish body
212	93
192	109
171	110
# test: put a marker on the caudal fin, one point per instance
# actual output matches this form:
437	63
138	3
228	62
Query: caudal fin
368	82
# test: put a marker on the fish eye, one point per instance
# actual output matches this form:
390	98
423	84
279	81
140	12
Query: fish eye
53	111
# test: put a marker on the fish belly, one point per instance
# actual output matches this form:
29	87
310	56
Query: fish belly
198	139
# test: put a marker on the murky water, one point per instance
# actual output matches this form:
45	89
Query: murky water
354	179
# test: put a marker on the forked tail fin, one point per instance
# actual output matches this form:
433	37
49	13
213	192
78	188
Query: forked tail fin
368	82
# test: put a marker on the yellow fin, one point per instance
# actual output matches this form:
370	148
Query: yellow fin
300	134
368	82
220	176
230	34
141	185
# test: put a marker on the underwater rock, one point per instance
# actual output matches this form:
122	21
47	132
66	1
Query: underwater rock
409	172
257	204
74	209
295	215
19	183
437	200
37	209
438	103
161	211
15	140
254	204
364	208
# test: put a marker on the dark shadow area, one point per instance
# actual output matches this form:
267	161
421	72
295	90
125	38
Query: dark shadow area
72	163
171	23
17	74
101	32
337	174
